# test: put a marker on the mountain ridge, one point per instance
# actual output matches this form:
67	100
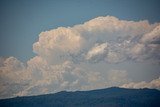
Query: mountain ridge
108	97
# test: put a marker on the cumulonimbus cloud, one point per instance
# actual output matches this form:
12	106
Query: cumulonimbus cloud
62	51
124	39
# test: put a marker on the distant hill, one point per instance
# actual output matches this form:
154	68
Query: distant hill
109	97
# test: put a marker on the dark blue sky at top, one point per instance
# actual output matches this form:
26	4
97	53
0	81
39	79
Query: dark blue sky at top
21	21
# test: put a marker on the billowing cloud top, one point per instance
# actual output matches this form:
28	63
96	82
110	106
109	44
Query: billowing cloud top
62	53
102	38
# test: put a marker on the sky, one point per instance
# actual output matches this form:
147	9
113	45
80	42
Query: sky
55	45
22	21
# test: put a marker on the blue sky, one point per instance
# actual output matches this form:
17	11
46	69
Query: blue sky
23	20
47	46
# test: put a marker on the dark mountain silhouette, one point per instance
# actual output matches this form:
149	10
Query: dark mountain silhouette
109	97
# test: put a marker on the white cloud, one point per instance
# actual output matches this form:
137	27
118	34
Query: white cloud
152	37
78	43
13	77
61	53
57	44
97	52
143	84
39	77
117	77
